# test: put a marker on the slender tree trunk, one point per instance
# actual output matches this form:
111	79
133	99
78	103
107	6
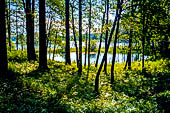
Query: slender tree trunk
54	45
27	10
49	30
89	38
86	50
22	43
16	25
126	63
32	48
106	38
130	39
50	49
80	37
103	59
49	38
98	54
143	37
129	52
75	40
3	48
9	24
30	31
43	36
67	49
115	41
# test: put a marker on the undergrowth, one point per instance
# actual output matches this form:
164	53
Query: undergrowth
60	89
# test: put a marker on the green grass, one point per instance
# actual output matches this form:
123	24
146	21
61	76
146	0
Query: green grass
60	89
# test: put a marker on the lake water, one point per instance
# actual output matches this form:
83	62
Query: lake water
72	44
119	57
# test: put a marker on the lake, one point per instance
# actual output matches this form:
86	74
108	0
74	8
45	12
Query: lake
119	57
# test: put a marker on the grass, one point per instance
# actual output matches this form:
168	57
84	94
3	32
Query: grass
60	89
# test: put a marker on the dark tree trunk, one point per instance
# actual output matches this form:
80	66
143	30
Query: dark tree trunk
129	52
89	38
32	48
3	48
9	25
54	45
43	36
22	45
30	31
49	38
106	38
115	41
130	40
50	48
80	37
74	34
143	37
103	59
85	50
16	25
67	49
49	30
98	54
126	63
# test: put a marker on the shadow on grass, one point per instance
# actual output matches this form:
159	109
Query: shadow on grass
146	87
16	98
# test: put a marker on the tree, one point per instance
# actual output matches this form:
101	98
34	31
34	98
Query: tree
103	59
9	24
3	48
86	49
115	41
89	37
80	37
103	21
143	36
106	38
74	34
43	36
67	49
16	25
30	28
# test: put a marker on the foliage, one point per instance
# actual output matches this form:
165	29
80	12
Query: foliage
60	89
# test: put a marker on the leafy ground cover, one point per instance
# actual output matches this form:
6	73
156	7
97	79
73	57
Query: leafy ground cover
60	89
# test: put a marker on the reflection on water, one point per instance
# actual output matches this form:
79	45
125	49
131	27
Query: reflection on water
119	57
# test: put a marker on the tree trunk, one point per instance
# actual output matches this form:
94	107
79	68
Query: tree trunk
143	37
89	38
85	50
67	49
3	48
49	38
75	40
43	36
129	52
106	38
115	41
80	37
9	25
98	54
30	31
54	45
32	48
103	59
50	48
16	25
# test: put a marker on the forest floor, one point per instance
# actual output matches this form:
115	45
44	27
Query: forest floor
60	89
